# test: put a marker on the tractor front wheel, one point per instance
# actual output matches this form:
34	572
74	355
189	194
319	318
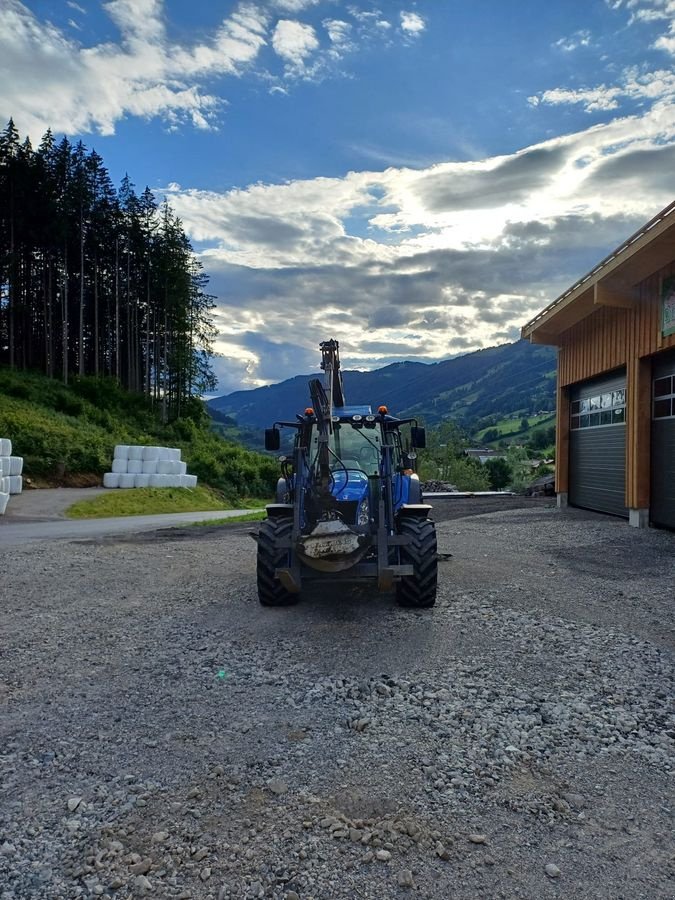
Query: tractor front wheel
271	591
419	589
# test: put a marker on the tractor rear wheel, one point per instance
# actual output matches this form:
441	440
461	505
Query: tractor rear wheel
419	589
271	591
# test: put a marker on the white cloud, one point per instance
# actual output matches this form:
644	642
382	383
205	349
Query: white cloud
294	6
412	23
578	39
49	79
294	42
339	34
633	85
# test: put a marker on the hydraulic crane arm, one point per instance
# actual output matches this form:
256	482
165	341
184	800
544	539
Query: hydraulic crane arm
330	363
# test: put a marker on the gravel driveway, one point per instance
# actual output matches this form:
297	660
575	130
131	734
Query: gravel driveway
162	735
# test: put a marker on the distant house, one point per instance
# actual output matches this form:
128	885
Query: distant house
615	333
484	454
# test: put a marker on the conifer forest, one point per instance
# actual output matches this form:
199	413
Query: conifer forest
97	281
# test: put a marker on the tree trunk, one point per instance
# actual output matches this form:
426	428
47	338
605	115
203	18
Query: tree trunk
64	297
117	309
81	367
96	335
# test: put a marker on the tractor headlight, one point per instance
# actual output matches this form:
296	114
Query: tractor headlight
363	517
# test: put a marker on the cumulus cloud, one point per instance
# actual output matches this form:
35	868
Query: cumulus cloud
412	23
49	79
52	78
632	83
295	42
294	6
578	39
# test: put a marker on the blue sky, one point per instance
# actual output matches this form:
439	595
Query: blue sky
414	178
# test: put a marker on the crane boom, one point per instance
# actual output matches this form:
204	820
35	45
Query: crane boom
330	363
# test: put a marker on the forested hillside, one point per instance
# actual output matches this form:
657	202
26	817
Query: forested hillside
512	379
96	281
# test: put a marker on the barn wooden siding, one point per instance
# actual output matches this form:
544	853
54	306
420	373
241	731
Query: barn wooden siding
613	338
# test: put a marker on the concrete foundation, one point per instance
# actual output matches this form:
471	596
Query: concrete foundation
638	518
562	500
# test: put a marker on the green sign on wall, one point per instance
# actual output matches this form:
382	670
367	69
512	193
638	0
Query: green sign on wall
668	307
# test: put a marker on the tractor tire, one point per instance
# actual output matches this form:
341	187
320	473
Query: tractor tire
419	589
271	591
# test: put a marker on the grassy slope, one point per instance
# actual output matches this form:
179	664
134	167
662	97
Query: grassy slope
67	435
511	426
148	501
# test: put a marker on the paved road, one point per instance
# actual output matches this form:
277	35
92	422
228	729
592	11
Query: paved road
45	504
40	515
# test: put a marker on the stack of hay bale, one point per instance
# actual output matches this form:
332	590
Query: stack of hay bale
135	466
11	467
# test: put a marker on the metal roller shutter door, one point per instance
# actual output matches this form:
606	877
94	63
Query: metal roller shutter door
662	504
597	464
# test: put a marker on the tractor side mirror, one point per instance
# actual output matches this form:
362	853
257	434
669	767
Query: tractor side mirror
418	437
272	439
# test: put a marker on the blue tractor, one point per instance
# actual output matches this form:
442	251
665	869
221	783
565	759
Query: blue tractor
349	504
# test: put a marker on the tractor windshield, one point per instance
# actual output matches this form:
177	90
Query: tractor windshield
353	448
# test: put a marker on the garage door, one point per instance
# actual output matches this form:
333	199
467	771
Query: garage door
597	470
662	506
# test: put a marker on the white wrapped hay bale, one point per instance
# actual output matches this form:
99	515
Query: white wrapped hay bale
4	500
5	466
111	480
136	452
157	481
4	485
121	451
120	465
141	481
189	481
164	453
164	467
134	466
127	481
149	467
5	447
182	468
15	465
15	484
174	454
151	452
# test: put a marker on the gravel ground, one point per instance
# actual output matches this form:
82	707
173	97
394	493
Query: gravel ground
162	735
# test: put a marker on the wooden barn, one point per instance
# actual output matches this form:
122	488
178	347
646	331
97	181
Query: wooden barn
615	334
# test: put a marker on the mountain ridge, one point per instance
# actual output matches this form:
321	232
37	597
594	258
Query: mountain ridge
514	378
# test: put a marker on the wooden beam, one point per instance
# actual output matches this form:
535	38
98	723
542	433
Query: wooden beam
562	437
638	433
563	317
615	293
544	337
654	256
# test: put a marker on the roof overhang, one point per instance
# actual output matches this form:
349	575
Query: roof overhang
613	282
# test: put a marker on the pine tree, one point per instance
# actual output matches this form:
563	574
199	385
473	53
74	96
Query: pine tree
94	281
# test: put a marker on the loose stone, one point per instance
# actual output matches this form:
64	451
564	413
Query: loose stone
405	878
